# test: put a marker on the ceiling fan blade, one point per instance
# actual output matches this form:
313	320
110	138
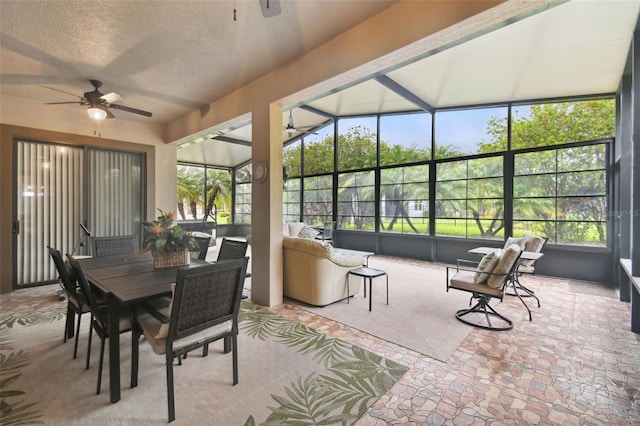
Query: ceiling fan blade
111	97
109	113
129	109
61	103
62	91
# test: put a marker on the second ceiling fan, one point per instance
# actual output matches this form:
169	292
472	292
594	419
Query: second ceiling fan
290	128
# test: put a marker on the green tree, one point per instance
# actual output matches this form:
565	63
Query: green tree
553	124
582	178
398	187
356	149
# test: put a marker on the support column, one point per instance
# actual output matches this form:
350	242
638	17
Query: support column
266	205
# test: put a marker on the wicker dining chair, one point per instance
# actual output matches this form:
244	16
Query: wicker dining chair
76	302
232	249
203	246
100	323
115	245
204	308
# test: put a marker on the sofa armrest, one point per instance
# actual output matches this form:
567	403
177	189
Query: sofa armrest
348	260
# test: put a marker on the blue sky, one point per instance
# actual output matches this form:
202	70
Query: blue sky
462	128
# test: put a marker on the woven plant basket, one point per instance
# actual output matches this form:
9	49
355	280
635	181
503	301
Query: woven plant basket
169	260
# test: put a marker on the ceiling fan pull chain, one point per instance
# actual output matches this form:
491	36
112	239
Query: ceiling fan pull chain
234	10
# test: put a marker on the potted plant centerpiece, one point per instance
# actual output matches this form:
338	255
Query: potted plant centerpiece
168	242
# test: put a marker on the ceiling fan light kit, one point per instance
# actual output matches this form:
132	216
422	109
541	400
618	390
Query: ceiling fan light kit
97	113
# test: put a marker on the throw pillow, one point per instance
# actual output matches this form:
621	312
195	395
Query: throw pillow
512	240
504	265
164	328
486	265
308	232
295	228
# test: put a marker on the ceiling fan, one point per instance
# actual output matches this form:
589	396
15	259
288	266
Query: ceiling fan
99	103
290	128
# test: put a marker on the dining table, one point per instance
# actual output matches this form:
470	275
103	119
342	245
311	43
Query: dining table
126	281
515	284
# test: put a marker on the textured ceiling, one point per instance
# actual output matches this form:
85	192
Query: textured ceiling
168	57
171	57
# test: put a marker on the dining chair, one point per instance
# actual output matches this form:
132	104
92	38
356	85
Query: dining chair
204	308
229	250
232	249
203	246
100	323
76	302
486	281
115	245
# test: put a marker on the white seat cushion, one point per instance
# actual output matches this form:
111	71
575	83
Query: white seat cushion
463	280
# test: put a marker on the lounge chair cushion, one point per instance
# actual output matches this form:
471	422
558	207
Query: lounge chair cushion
486	265
464	280
532	243
521	242
504	265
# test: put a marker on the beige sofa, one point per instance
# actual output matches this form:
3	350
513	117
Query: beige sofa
315	274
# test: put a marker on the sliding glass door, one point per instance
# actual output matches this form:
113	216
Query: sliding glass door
58	187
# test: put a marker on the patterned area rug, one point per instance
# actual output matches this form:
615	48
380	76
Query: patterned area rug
289	374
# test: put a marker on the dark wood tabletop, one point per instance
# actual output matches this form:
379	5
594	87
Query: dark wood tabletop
126	282
130	281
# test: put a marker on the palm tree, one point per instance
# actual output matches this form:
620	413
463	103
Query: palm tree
189	186
218	192
399	186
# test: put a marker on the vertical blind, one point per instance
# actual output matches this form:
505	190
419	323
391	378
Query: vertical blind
54	190
114	193
49	206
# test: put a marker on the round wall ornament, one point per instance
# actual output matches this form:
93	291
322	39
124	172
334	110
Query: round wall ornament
259	171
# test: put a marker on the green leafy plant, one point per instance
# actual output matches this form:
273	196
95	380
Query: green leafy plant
163	236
